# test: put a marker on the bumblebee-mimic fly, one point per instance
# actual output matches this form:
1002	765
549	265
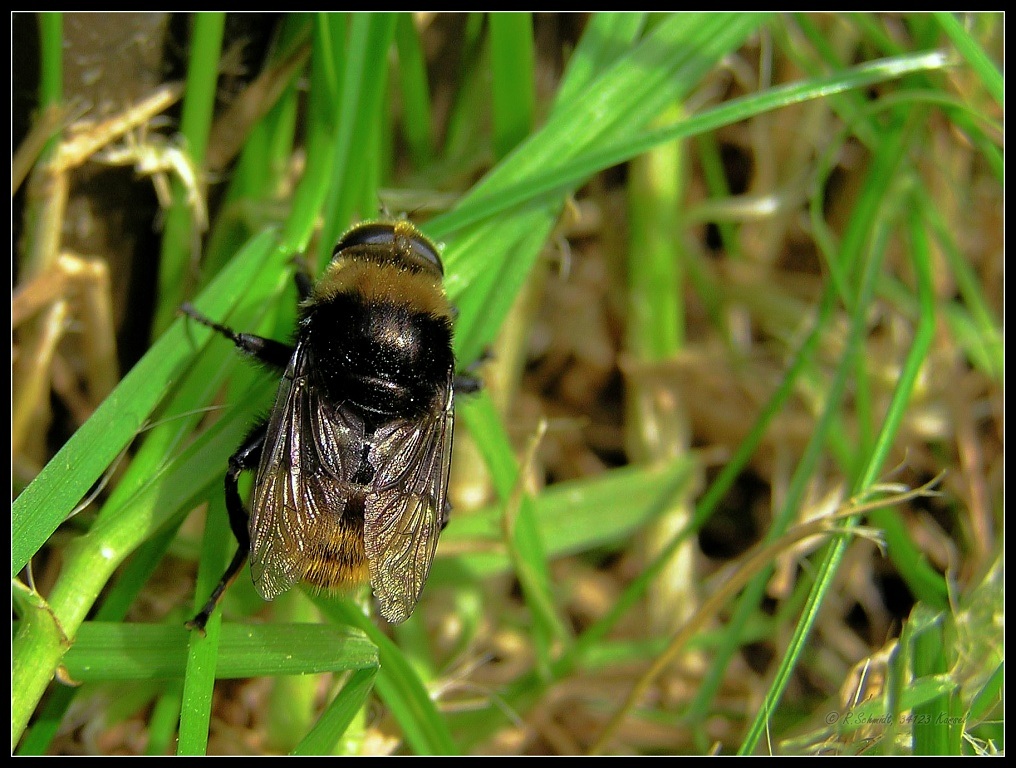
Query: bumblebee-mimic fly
352	462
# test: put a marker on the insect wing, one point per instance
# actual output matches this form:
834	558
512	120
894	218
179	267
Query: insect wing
404	514
311	449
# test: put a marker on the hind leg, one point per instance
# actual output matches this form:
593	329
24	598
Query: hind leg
246	458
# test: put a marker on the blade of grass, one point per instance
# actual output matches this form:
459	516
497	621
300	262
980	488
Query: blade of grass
673	64
74	594
607	37
471	99
921	579
559	174
47	501
293	701
286	59
264	159
520	531
513	78
47	721
753	562
42	242
92	558
334	721
162	725
802	474
656	421
570	519
868	474
326	63
903	552
989	695
50	67
180	231
150	503
398	685
983	66
364	79
417	122
203	647
659	68
116	651
989	327
114	608
936	726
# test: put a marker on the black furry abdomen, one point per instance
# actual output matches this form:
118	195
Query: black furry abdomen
382	357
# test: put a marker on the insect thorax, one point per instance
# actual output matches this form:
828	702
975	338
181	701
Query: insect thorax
382	356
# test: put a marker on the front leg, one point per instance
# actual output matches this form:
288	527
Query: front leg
268	351
247	457
303	278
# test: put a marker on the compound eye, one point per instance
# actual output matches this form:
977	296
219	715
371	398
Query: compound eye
366	234
400	236
424	249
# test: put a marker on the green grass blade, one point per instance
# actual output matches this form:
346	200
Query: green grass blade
115	651
513	78
983	66
520	529
203	648
417	121
364	77
51	60
623	90
115	604
399	686
180	231
336	718
565	172
162	725
867	476
47	501
805	468
570	519
934	731
607	37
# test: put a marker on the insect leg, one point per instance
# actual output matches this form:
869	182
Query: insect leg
269	351
247	457
303	278
467	384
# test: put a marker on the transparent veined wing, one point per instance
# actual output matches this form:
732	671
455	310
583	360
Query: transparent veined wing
405	510
302	491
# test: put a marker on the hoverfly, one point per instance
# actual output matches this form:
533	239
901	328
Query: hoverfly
352	462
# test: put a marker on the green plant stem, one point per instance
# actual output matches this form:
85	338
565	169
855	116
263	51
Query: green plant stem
181	234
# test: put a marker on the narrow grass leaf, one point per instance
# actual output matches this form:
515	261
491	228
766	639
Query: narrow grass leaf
513	78
364	79
983	66
398	684
199	678
181	233
47	501
334	721
607	37
570	517
415	91
115	651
